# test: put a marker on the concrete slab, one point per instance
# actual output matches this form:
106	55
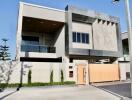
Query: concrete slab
59	93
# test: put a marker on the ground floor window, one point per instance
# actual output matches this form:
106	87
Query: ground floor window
70	74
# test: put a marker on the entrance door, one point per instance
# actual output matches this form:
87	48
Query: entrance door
81	74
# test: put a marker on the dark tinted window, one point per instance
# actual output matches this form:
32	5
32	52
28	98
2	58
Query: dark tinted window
30	40
70	74
83	38
87	38
78	37
74	36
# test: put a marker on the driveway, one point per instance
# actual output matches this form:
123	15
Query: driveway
123	89
58	93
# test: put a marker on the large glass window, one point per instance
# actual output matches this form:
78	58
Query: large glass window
30	40
80	37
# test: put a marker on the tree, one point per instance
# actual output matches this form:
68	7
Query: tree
6	69
29	76
62	77
4	55
6	65
51	77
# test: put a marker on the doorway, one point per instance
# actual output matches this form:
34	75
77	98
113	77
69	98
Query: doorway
81	74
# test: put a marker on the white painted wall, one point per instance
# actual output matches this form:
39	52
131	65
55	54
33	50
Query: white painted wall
84	28
15	76
124	67
38	55
40	72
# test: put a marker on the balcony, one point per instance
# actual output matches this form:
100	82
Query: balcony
37	48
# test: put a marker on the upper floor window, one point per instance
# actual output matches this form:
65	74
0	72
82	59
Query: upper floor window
74	36
30	40
80	37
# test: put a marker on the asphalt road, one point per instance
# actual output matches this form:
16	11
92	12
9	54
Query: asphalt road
121	89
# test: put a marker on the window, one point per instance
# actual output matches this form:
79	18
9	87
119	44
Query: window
70	74
87	38
78	37
74	36
83	38
30	40
70	67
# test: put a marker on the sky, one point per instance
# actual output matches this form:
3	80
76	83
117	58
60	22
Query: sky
9	14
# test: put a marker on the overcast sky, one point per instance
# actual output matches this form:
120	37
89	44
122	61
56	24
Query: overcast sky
9	14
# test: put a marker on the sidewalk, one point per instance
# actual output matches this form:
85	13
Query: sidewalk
111	83
59	93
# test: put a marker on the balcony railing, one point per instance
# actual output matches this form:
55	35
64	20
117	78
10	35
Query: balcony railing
37	48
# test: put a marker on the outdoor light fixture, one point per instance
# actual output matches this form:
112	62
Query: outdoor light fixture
116	0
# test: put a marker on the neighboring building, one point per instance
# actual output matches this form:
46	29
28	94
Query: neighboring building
77	41
124	61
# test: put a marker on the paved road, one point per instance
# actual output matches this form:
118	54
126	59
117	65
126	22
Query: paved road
121	89
58	93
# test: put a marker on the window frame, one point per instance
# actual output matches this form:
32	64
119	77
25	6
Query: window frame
78	37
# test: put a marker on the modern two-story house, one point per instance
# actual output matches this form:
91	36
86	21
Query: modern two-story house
77	41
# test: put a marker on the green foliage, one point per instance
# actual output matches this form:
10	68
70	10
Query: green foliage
29	76
51	77
38	84
62	76
4	55
69	82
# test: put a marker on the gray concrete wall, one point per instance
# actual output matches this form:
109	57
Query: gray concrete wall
105	36
43	13
82	28
59	42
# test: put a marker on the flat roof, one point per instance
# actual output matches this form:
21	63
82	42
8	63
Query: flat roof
99	15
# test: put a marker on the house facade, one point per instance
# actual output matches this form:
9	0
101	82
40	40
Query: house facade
124	61
76	41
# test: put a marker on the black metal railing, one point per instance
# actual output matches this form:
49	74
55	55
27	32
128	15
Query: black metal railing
37	48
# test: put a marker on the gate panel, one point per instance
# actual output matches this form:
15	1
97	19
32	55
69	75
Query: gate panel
103	72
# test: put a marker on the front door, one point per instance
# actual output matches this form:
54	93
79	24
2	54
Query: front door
81	74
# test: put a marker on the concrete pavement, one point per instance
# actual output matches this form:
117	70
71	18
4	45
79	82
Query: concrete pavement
58	93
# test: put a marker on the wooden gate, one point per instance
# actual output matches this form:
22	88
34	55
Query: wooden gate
103	72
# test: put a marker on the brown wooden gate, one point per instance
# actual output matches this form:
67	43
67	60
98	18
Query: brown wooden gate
103	72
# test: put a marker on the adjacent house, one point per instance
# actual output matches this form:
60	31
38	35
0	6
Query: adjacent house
124	62
84	44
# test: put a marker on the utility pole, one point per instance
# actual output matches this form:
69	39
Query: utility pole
129	29
129	26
